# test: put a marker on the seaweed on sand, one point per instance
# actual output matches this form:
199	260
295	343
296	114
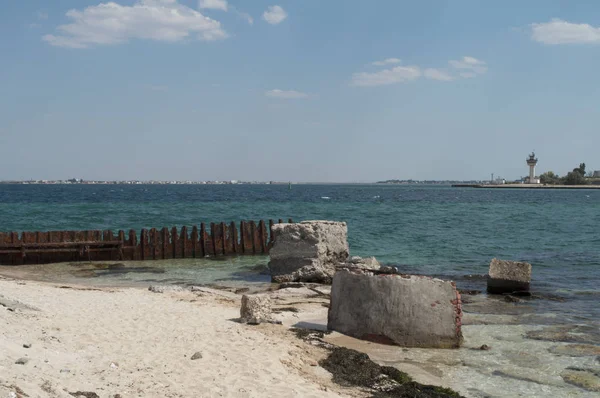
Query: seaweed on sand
352	368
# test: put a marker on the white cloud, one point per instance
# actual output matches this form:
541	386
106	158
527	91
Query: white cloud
437	74
468	75
42	15
286	94
558	31
470	64
112	23
274	15
398	74
388	61
213	4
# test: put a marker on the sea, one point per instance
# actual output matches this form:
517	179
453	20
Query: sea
442	231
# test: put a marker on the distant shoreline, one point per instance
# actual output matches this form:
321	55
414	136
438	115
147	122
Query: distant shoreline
526	186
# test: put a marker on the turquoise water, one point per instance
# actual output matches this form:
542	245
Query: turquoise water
451	232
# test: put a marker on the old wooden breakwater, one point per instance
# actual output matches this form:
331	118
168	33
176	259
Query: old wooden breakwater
214	239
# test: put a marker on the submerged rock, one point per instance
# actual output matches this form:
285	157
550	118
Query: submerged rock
567	334
587	379
576	350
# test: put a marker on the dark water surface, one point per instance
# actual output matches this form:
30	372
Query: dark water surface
453	232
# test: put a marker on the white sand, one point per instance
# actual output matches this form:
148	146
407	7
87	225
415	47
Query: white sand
137	343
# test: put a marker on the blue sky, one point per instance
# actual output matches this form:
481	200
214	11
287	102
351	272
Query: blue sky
300	90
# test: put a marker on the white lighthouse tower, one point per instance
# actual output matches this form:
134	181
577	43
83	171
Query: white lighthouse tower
531	162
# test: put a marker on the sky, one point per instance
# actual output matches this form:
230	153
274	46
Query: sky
297	90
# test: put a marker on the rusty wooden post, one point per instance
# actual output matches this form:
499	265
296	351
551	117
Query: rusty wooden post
153	242
132	243
213	237
37	241
174	242
263	239
280	221
143	243
183	237
253	235
290	221
203	239
165	241
234	237
223	238
271	231
194	241
243	236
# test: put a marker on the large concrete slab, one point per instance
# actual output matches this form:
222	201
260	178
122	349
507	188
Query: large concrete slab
411	311
308	251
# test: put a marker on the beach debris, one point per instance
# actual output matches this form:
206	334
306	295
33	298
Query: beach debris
256	309
114	365
197	355
22	361
313	337
165	288
308	251
369	263
27	345
405	310
12	394
84	394
588	379
485	347
508	277
65	371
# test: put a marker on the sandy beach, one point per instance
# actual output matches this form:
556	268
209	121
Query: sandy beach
131	342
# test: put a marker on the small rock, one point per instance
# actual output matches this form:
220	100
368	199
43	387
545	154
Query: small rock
165	288
512	299
197	355
255	309
114	365
27	345
12	394
485	347
22	361
65	371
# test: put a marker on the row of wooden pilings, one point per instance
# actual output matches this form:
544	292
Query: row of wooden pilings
214	239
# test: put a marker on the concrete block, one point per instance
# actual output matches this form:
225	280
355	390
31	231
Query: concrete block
308	251
508	276
256	308
410	311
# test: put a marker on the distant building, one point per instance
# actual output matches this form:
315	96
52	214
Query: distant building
596	174
532	162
